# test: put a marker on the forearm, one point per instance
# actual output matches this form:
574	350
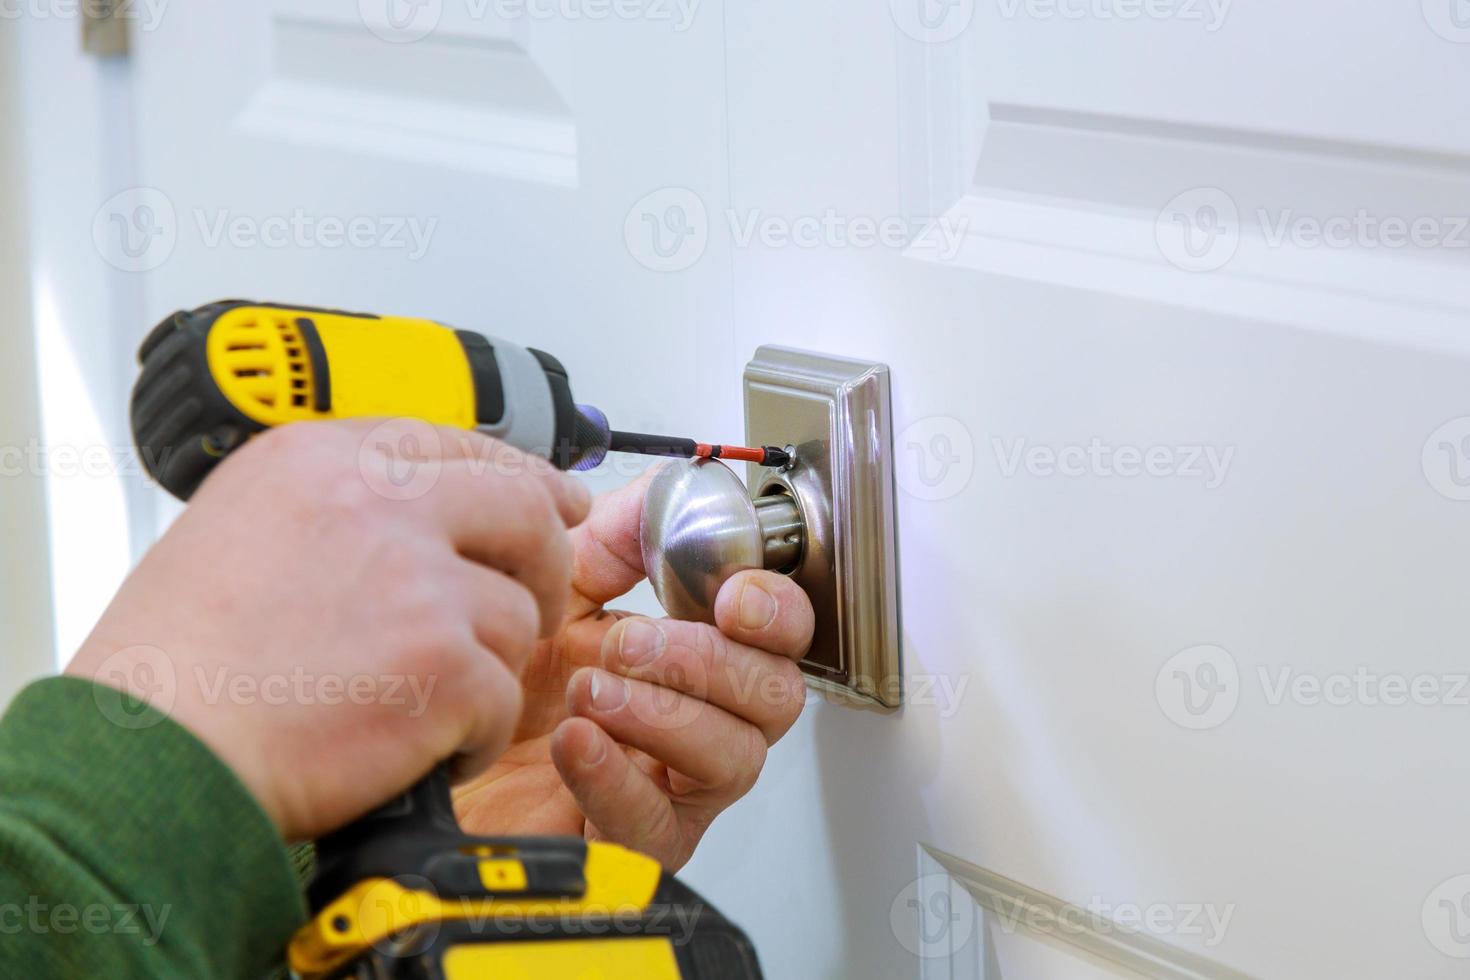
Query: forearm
128	849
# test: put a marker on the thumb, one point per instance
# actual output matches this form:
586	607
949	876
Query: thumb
607	560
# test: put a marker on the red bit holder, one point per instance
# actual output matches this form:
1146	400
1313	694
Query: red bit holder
651	445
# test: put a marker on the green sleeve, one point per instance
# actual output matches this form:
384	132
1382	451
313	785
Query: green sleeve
127	849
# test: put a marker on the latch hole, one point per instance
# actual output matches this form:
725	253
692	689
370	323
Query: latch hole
782	526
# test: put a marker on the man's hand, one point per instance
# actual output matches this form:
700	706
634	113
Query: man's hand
331	638
642	731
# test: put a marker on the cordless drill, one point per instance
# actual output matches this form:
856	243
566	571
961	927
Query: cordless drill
404	892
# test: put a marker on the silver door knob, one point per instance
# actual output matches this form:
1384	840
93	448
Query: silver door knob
699	527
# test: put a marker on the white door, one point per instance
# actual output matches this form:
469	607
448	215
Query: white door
1176	299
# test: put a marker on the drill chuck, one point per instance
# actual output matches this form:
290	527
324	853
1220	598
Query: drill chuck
592	437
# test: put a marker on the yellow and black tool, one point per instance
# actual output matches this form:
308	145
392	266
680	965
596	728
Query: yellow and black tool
215	376
403	892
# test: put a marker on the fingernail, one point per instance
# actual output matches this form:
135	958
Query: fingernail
757	606
596	752
640	642
609	693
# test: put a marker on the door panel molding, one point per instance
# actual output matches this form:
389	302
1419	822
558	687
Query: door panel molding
1356	238
463	102
1019	908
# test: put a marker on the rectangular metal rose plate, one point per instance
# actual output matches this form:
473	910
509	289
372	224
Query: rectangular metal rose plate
835	412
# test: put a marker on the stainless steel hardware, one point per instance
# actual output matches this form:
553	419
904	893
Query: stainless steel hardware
835	412
700	527
105	27
827	520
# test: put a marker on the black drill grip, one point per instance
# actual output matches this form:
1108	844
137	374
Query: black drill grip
416	839
394	839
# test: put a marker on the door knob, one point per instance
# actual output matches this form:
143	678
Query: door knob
700	527
827	519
